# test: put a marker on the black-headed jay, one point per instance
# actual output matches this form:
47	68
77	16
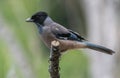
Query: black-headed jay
50	31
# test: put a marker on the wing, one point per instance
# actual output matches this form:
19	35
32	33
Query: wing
77	34
62	33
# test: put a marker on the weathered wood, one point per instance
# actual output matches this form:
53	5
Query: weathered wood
54	60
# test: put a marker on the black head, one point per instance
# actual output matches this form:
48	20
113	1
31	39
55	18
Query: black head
38	17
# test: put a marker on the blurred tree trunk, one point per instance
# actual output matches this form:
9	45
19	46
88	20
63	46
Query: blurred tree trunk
102	28
117	58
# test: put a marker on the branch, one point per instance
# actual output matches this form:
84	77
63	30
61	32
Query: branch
54	60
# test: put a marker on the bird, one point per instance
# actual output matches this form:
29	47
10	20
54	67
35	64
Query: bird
50	30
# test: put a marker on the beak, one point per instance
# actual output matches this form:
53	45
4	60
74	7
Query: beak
29	20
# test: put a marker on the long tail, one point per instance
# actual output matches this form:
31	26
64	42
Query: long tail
99	48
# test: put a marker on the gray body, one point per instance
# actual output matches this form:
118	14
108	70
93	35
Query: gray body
50	31
48	36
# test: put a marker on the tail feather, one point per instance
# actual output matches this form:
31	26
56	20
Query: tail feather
99	48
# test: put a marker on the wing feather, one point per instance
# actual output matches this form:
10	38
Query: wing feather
65	34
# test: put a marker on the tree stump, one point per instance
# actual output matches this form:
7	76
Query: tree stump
54	60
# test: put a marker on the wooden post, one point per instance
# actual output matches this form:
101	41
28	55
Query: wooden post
54	60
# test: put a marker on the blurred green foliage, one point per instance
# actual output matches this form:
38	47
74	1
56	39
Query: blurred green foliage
74	64
4	59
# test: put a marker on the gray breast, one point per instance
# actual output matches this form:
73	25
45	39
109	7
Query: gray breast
47	36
